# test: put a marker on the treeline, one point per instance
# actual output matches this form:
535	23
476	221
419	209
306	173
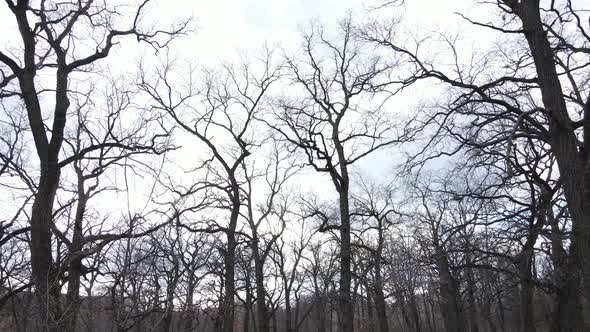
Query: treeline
241	197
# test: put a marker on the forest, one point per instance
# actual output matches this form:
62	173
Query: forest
368	176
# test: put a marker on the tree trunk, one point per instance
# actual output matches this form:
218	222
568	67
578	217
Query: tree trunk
427	313
72	307
471	287
44	273
566	292
449	294
415	313
261	309
346	307
403	309
320	312
170	291
228	298
370	305
288	315
527	321
189	310
230	260
501	311
248	303
381	309
573	167
380	305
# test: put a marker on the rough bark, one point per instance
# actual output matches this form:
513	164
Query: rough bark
262	315
527	288
230	289
75	265
572	167
449	296
345	299
471	289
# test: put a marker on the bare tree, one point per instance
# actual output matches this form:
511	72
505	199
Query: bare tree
288	256
321	268
48	32
542	42
275	175
374	206
334	126
228	105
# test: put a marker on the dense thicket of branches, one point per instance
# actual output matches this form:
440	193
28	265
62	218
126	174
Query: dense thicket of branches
175	197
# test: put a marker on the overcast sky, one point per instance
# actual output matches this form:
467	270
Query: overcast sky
224	27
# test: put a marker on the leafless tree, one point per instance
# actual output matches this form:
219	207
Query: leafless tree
334	124
375	209
226	106
262	215
48	31
544	49
288	256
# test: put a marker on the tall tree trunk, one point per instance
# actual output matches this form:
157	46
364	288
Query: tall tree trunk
248	303
380	304
44	274
527	321
415	312
565	294
331	315
501	313
346	312
230	260
170	292
427	313
288	312
573	166
228	298
72	307
189	310
381	309
525	261
403	308
297	318
275	326
471	288
432	306
370	305
261	309
320	312
449	294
